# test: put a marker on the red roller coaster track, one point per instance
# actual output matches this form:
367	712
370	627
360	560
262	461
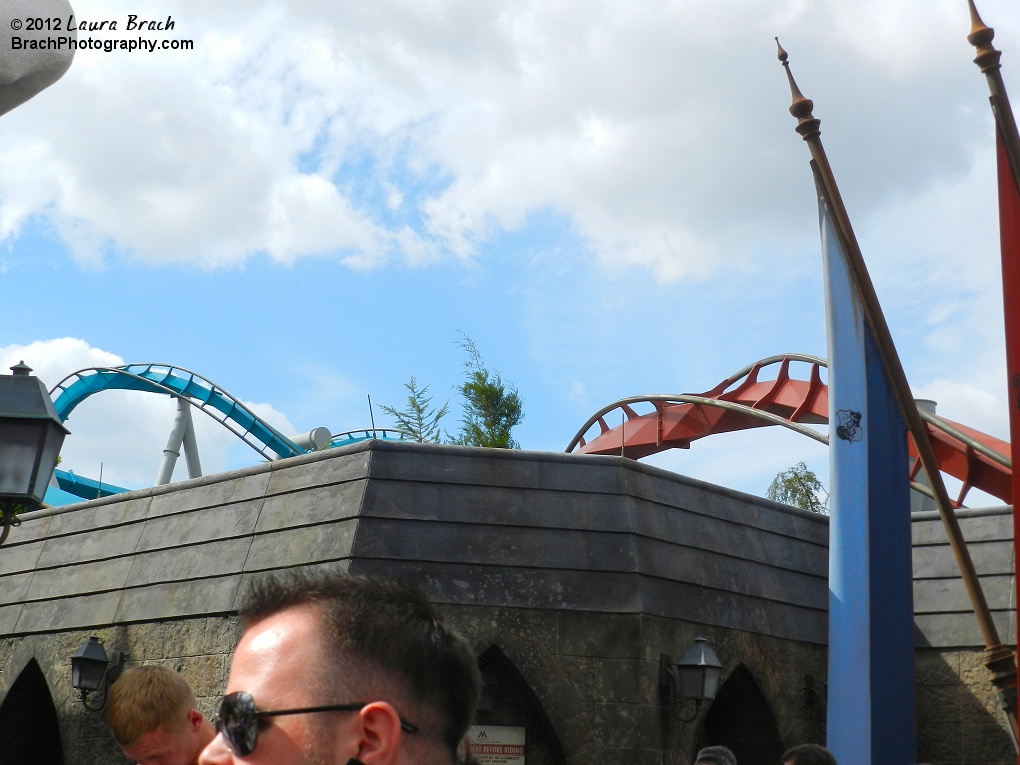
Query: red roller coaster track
743	401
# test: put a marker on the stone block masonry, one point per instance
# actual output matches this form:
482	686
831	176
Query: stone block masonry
570	574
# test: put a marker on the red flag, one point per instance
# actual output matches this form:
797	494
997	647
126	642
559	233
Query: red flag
1009	236
1009	240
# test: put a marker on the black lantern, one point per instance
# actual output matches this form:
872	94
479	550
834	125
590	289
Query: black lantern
31	435
699	671
88	666
91	669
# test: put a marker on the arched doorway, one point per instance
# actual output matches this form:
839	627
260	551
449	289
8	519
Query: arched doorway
741	719
508	700
29	731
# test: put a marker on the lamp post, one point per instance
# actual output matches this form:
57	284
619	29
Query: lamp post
31	435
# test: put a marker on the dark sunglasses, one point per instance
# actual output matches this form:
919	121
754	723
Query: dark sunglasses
238	719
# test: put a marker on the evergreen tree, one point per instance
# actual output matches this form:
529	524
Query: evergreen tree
492	408
416	419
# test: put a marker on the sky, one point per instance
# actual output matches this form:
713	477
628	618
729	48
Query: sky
317	200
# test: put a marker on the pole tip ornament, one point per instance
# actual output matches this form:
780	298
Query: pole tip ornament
981	38
801	107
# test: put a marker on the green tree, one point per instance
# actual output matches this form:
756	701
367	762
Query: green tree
492	408
801	488
416	419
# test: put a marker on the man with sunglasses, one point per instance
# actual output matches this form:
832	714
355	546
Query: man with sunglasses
335	669
153	716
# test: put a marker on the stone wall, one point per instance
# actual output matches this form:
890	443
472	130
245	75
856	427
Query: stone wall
581	571
596	677
959	719
197	648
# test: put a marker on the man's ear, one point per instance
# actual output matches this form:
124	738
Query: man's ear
379	734
195	719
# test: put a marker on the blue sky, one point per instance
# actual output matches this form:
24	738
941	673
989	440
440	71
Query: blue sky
609	199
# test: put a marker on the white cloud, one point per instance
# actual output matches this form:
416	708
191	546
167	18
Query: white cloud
657	128
946	286
973	406
579	393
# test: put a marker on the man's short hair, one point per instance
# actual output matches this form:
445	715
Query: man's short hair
387	635
715	755
809	754
146	698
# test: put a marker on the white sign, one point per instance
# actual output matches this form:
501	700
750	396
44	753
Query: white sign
498	744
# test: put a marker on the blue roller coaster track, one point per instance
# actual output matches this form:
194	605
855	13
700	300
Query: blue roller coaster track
199	391
181	383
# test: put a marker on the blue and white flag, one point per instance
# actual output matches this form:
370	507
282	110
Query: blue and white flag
871	712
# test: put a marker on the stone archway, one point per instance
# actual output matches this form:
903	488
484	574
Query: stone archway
508	699
29	731
742	719
516	642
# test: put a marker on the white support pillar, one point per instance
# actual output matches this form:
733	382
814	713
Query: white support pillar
190	444
173	444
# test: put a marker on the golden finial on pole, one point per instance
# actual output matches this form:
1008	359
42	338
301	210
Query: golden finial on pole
981	38
988	61
801	108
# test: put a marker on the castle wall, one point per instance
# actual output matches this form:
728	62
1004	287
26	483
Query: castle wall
581	570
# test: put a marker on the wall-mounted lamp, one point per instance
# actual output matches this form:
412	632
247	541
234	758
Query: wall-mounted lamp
31	434
92	669
697	672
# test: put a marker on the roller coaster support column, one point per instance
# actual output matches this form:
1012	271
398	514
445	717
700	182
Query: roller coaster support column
190	444
183	433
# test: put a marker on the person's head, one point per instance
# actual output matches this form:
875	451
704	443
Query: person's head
153	717
808	754
406	683
715	755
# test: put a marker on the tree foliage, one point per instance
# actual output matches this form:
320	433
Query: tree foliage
416	419
492	408
801	488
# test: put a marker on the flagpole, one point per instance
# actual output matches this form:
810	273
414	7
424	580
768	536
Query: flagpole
988	61
999	659
1008	143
